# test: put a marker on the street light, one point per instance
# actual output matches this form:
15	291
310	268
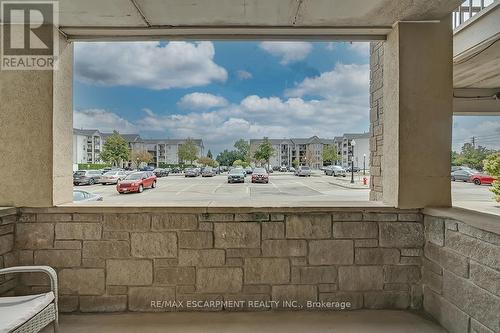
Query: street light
353	143
364	165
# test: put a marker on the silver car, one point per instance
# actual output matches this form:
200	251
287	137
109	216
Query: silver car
84	196
303	171
112	177
335	171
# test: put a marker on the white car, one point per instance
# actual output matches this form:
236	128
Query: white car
83	196
112	177
335	171
303	171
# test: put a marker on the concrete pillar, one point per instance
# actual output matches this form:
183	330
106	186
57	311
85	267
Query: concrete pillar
36	121
418	91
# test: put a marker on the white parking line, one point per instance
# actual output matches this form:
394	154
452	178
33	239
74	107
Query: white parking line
217	187
275	186
309	187
185	189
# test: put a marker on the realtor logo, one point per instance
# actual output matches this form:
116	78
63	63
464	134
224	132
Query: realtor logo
29	35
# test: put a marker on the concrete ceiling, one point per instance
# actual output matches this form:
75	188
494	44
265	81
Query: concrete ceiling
476	64
138	19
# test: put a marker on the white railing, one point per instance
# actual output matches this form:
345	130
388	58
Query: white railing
468	9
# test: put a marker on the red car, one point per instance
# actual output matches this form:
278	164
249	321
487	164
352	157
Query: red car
260	175
481	178
136	182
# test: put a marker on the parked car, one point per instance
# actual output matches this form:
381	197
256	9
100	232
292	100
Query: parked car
86	177
112	177
303	171
248	170
461	167
335	171
137	182
291	169
106	169
482	179
283	169
191	172
461	175
148	168
83	196
236	175
260	175
176	170
208	172
160	172
351	169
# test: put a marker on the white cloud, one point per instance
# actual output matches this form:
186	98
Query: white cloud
288	51
346	83
361	48
243	75
339	105
148	64
201	101
485	130
103	120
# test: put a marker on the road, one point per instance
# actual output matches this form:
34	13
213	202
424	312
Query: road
282	189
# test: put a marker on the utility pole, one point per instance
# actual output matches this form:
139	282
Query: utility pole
474	142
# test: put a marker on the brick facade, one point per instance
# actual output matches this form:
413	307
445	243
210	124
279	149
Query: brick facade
376	119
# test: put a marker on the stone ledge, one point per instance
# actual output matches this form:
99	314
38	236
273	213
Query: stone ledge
483	221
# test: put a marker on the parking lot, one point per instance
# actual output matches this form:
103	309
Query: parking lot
283	189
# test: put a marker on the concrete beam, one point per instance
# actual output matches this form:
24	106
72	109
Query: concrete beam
417	94
225	33
36	121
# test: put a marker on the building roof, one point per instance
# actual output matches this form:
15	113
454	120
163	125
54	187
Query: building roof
199	142
297	141
85	132
350	136
127	137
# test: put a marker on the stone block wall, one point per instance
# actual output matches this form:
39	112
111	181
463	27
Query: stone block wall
125	261
461	276
376	119
8	255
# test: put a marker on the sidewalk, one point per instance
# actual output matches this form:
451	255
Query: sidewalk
345	182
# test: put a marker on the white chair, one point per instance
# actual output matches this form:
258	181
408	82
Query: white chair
29	314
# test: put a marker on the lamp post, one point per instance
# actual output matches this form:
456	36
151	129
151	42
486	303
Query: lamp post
364	164
353	143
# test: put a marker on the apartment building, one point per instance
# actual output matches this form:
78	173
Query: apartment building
88	144
165	150
307	151
361	149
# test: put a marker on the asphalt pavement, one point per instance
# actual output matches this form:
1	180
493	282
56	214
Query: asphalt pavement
283	189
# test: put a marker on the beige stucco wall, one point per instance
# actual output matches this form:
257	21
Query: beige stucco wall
35	149
418	114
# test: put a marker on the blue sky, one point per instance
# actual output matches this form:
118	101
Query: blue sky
223	91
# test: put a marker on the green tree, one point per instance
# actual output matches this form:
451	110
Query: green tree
188	151
295	163
141	156
472	157
492	167
227	157
115	149
264	151
330	154
206	161
454	158
243	149
240	163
